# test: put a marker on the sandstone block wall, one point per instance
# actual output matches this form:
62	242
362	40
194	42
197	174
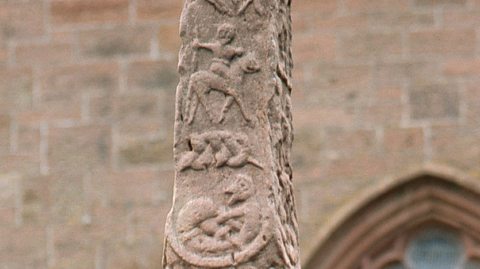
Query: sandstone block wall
382	87
87	90
87	106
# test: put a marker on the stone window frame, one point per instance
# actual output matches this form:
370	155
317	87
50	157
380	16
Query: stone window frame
374	230
395	252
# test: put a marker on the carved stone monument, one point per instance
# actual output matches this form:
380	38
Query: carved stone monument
233	203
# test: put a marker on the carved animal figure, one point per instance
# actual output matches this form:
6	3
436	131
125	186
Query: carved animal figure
197	225
223	75
243	216
217	148
203	227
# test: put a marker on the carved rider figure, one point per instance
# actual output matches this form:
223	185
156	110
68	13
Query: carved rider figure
224	75
223	52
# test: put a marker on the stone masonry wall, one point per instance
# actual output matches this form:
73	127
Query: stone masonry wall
87	90
382	87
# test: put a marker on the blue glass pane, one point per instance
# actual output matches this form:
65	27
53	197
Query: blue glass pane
435	249
395	266
473	265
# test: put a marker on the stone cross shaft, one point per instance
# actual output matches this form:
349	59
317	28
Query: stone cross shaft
233	204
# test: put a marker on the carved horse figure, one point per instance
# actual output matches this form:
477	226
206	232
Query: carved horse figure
225	75
203	82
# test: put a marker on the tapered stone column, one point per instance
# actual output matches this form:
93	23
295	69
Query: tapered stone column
233	202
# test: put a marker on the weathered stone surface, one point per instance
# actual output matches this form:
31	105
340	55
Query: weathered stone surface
233	202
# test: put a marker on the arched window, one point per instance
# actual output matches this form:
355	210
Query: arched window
432	246
427	221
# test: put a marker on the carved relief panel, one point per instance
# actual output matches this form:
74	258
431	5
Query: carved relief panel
233	203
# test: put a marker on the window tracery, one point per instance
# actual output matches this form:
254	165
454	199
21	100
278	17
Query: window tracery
433	248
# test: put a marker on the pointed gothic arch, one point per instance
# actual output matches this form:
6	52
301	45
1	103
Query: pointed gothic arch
374	233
